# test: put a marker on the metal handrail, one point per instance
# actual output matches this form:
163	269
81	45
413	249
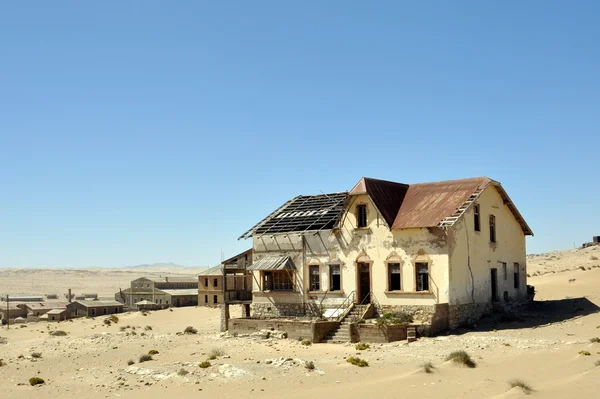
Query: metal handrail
344	305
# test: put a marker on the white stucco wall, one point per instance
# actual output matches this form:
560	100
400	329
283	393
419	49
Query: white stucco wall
482	255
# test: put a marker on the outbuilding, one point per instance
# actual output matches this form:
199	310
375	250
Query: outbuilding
94	308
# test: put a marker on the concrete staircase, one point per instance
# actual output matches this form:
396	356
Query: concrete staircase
342	332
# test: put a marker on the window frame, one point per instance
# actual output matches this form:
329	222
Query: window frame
341	286
389	275
273	274
417	276
516	276
311	283
359	218
492	224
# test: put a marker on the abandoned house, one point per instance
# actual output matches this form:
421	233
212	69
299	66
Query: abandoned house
93	308
56	315
163	291
444	252
239	287
41	308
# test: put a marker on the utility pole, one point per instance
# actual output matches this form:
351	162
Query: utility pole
7	313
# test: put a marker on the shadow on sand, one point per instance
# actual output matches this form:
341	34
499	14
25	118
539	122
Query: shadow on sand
535	314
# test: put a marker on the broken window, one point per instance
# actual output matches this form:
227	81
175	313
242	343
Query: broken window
280	280
422	276
315	284
205	298
504	271
215	300
335	278
394	277
476	218
492	228
516	276
361	215
206	282
215	282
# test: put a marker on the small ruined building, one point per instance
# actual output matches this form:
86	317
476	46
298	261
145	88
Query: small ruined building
11	312
93	308
37	310
444	252
162	291
239	281
56	315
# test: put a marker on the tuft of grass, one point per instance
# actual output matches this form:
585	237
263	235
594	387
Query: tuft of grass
428	367
130	362
357	361
595	340
145	358
216	352
182	372
36	355
113	318
205	364
58	333
525	387
153	352
361	346
190	330
33	381
309	365
306	342
584	353
462	357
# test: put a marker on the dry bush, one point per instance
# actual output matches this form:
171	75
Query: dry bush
153	352
58	333
36	355
182	372
361	346
36	381
130	362
113	318
597	364
463	358
357	361
2	364
525	387
216	352
190	330
428	367
584	353
309	365
595	340
204	364
306	342
145	358
148	328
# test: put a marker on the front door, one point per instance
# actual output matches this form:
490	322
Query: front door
364	283
494	281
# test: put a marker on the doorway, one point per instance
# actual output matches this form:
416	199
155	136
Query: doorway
494	281
364	283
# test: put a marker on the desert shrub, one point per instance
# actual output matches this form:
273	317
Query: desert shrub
216	352
357	361
463	358
428	367
58	333
2	364
309	365
153	352
306	342
525	387
597	364
36	381
182	372
36	355
190	330
133	333
107	322
204	364
122	328
593	257
399	318
130	362
148	328
582	268
595	340
114	318
145	358
584	353
361	346
212	357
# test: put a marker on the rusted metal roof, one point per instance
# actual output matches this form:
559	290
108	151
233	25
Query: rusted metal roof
427	204
273	263
386	195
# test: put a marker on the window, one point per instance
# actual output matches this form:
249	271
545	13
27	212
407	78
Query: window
215	299
516	276
315	284
335	282
278	281
116	310
394	277
104	310
205	298
422	276
361	215
492	228
476	218
215	281
504	271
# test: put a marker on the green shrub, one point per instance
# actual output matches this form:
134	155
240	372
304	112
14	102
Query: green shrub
153	352
399	318
36	381
204	364
212	357
190	330
309	365
462	357
182	372
145	358
58	333
357	361
525	387
130	362
361	346
36	355
428	367
306	342
595	340
113	318
584	353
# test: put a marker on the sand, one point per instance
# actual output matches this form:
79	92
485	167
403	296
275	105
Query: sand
542	348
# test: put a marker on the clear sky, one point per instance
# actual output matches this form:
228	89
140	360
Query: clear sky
151	131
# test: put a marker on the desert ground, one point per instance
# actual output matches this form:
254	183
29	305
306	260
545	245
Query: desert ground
547	345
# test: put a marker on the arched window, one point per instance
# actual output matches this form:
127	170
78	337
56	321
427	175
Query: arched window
492	228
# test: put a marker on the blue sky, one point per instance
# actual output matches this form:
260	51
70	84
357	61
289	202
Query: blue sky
152	131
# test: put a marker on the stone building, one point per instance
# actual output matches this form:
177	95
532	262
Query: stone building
94	308
163	291
239	287
443	251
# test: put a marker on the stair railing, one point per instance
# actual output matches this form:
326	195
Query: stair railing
346	304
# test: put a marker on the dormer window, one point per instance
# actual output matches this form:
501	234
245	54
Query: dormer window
361	215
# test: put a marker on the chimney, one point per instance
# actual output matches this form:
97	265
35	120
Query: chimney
70	295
